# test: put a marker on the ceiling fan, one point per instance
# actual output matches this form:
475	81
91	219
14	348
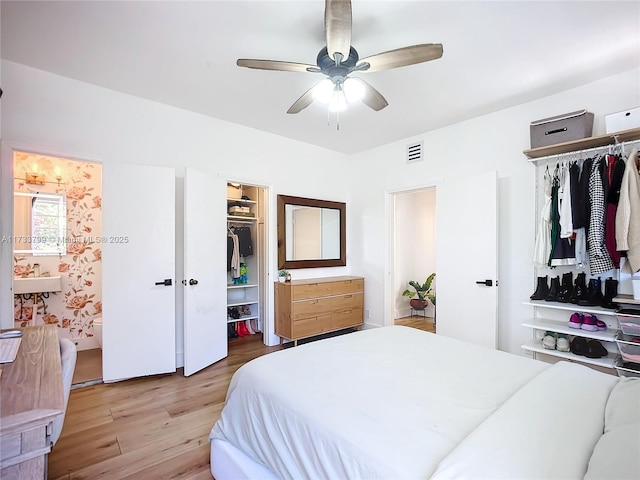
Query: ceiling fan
339	59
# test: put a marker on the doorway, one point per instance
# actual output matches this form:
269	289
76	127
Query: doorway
60	242
413	253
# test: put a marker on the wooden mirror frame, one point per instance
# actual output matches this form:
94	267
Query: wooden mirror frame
284	200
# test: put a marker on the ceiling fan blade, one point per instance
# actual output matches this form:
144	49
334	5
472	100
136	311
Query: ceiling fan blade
275	65
402	57
303	102
372	97
337	27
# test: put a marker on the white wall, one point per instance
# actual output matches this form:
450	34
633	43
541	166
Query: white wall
85	121
415	239
50	112
490	142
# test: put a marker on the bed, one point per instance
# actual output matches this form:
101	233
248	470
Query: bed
397	402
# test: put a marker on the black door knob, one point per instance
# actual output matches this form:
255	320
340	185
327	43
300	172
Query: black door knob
488	283
193	282
166	282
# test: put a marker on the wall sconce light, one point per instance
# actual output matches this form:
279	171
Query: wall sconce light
33	177
58	174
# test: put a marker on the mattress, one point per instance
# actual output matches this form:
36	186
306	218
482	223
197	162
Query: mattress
390	402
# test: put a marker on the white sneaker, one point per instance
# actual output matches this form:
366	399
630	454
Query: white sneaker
549	341
562	344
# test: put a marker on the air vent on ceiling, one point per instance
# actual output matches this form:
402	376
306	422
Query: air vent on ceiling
414	152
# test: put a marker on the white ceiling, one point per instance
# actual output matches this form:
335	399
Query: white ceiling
496	54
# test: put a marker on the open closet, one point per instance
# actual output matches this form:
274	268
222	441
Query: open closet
588	278
246	256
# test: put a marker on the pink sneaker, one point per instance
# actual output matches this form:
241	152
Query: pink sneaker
590	323
576	320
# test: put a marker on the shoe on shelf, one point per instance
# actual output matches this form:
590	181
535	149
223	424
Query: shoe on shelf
576	320
591	323
247	323
579	346
549	340
595	350
562	343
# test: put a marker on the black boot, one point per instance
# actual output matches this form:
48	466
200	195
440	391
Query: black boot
579	289
566	288
610	292
552	296
542	289
594	294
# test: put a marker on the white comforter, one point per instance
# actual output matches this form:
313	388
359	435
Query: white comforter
397	403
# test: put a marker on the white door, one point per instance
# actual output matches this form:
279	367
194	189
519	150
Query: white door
205	282
138	252
466	257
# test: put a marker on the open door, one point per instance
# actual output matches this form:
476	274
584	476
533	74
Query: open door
467	259
138	253
204	283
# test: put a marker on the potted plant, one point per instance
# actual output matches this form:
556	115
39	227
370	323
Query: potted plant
424	292
283	275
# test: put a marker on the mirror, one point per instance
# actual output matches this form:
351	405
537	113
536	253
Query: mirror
311	233
39	223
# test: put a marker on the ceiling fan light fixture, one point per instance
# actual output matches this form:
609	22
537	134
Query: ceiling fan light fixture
338	101
353	90
323	91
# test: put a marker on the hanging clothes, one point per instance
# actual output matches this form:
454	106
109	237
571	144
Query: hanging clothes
599	258
562	247
245	243
542	247
564	197
614	172
628	213
233	254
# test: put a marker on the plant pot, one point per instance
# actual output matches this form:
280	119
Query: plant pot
418	304
282	279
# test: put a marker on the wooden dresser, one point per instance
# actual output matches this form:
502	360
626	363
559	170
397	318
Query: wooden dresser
31	396
304	308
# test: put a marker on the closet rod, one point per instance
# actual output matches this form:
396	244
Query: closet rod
603	148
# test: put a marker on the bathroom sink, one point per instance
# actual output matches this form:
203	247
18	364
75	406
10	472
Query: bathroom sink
37	285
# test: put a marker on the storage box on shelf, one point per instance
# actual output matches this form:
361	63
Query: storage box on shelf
561	128
629	347
629	321
625	369
556	318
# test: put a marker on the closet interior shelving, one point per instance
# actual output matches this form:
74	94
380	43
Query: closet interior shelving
554	316
246	294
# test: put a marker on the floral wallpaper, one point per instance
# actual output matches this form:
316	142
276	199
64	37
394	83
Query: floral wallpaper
80	301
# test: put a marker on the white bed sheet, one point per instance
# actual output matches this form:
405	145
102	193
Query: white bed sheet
371	404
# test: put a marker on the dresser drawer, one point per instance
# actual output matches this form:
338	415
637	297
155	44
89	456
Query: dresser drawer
311	290
346	318
311	308
309	327
347	286
345	302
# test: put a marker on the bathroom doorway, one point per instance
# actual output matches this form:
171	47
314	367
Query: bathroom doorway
60	242
413	253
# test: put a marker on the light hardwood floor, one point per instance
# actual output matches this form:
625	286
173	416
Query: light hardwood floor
155	427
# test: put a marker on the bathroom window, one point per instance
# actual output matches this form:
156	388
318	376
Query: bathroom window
40	223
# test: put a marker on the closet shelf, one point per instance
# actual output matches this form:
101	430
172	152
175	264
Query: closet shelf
607	362
231	286
621	298
535	154
570	307
561	327
241	219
